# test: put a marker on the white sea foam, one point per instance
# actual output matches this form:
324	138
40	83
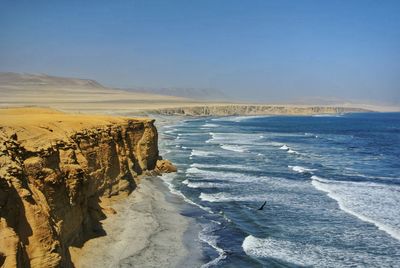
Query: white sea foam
370	202
233	138
200	153
273	143
194	170
271	248
211	240
170	131
301	169
284	147
310	135
228	197
234	148
191	134
225	166
290	151
221	175
210	139
168	178
354	172
298	253
219	197
202	184
208	125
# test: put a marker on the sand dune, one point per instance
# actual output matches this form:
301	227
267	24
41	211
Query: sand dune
88	96
70	94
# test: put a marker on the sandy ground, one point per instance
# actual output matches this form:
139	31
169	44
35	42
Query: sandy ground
38	127
78	95
148	230
88	96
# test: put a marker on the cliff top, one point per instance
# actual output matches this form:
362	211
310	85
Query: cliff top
38	127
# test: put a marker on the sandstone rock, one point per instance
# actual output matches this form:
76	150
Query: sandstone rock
165	166
14	136
244	109
51	182
109	210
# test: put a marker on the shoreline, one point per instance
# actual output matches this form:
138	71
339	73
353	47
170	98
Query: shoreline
57	171
148	228
117	213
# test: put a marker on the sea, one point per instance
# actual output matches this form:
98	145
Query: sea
328	185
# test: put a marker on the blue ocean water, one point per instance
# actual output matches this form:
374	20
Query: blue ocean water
331	186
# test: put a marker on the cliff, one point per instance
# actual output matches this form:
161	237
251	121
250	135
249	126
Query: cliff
244	109
55	169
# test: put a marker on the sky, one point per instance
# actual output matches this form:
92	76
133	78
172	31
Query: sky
265	51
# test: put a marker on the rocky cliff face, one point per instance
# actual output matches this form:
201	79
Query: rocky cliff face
50	195
239	109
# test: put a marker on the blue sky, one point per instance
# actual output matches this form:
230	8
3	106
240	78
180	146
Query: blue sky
254	50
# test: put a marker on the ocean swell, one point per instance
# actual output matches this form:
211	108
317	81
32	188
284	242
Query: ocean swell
370	202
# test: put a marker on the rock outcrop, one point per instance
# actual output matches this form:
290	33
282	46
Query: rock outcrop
244	109
54	171
165	166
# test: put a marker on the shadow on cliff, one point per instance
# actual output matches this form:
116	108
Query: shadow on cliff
96	215
92	226
14	214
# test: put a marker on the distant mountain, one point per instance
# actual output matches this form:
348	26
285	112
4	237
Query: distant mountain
190	93
42	80
74	94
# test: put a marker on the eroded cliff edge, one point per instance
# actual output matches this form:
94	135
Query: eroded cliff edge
244	109
55	169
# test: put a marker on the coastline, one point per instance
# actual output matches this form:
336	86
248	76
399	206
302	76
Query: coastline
141	229
147	229
150	226
169	231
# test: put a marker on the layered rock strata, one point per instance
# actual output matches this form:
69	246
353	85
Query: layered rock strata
54	171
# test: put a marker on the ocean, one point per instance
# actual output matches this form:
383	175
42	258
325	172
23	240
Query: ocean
330	184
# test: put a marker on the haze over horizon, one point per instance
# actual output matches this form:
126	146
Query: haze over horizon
272	51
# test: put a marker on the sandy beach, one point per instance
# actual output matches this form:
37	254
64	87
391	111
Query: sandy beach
199	134
130	219
147	230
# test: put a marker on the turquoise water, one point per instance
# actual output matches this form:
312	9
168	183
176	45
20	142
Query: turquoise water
331	186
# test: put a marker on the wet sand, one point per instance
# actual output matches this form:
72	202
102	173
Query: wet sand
148	230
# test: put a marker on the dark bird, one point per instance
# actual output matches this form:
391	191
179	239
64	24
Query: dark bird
262	207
